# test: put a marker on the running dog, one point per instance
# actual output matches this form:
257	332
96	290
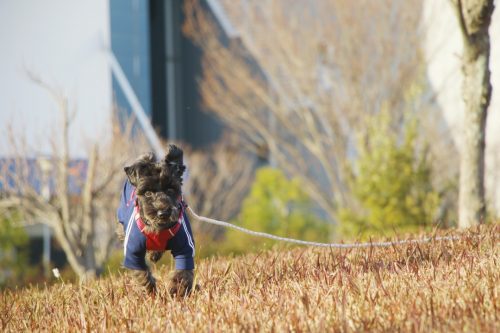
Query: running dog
153	220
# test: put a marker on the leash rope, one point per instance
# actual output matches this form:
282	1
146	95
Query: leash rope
330	245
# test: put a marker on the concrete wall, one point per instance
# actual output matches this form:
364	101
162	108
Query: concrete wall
63	42
443	47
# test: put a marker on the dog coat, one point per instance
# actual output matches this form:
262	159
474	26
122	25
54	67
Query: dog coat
179	239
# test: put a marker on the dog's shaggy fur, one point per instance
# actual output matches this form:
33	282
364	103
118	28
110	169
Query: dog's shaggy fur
158	189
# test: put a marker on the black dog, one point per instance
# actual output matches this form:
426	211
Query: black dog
153	217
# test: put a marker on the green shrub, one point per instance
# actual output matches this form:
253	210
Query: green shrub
277	206
391	183
13	253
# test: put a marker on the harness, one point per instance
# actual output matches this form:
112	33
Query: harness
158	241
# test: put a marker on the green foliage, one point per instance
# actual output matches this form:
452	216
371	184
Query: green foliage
13	252
277	206
114	262
391	184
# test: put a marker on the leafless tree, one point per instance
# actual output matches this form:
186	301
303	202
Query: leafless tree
219	179
474	17
299	79
83	218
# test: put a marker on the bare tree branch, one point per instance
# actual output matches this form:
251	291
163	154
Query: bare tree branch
83	222
461	20
219	179
303	92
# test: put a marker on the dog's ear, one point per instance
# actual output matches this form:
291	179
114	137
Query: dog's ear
143	166
132	174
174	162
174	155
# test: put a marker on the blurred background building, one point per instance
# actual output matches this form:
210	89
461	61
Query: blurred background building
162	66
68	44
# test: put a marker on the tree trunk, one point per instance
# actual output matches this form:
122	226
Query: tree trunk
474	18
84	268
89	217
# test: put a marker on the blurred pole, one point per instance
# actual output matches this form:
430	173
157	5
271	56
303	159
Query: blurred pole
136	106
46	167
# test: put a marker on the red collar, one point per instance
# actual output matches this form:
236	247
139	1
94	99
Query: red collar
157	241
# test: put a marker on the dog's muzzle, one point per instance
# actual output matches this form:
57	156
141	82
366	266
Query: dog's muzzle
164	213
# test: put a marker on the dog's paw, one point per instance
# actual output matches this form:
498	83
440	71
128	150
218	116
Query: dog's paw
181	283
144	279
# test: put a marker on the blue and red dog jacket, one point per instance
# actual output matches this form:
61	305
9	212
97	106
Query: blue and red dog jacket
178	239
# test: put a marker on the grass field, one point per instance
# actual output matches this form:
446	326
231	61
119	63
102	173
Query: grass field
440	286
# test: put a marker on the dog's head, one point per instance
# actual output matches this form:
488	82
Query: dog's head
158	188
158	201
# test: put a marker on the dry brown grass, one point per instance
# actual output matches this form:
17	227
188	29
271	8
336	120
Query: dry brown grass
441	286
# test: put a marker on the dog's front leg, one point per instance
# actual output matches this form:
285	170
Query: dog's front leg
181	283
120	234
145	279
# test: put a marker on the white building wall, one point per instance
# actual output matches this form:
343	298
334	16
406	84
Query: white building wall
63	42
443	48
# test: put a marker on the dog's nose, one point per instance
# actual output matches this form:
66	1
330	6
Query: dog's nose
164	213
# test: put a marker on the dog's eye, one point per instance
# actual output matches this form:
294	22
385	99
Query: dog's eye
148	194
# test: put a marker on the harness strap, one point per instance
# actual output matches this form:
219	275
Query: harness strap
157	241
132	197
